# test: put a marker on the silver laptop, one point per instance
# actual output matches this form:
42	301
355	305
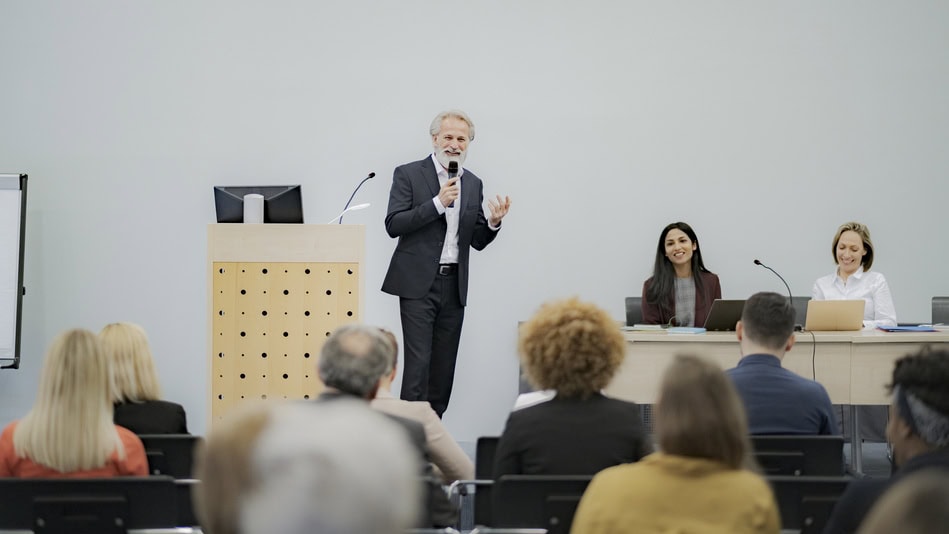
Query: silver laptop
724	315
834	315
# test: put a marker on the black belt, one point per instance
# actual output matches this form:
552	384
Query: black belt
447	269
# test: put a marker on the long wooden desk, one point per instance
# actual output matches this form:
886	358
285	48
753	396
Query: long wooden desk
854	367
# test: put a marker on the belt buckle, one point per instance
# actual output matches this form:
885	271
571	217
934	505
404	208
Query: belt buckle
445	270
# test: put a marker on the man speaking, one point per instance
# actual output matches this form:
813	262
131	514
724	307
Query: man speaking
435	211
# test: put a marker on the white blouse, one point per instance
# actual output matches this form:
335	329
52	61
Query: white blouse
869	286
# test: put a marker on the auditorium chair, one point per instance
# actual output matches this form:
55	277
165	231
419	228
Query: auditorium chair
800	455
78	506
805	503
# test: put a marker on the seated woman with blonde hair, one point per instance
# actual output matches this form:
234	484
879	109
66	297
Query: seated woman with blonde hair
69	432
573	348
137	396
700	482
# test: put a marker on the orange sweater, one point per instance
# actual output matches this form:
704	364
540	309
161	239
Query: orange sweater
134	464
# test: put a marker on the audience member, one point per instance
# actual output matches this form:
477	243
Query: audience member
451	463
69	432
137	395
295	469
777	401
573	348
700	481
918	504
918	431
353	361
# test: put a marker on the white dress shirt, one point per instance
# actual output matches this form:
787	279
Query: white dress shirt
450	248
869	286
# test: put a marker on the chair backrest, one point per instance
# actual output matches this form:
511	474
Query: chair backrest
805	503
70	506
634	310
538	501
170	454
800	455
484	470
940	310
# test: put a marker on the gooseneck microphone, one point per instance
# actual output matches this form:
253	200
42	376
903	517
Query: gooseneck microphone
452	172
345	209
790	298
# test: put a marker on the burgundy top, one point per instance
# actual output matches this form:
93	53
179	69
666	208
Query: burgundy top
711	290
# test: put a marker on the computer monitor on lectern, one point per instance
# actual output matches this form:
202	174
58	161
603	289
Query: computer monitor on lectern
282	203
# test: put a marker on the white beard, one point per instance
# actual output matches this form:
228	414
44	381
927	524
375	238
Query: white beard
445	158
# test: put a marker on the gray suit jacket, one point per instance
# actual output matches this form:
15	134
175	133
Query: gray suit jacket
413	219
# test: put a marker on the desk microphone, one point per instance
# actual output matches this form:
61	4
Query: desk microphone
790	299
345	209
452	172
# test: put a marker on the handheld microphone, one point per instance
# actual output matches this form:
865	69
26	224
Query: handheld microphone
452	172
790	299
345	209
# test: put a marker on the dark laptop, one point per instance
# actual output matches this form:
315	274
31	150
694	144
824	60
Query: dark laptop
724	315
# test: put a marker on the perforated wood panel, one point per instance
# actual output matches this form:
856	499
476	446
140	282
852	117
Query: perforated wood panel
269	323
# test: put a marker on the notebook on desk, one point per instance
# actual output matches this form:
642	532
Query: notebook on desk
834	315
724	315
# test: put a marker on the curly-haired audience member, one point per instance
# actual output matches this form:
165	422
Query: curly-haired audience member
573	348
137	396
300	468
69	432
700	481
918	430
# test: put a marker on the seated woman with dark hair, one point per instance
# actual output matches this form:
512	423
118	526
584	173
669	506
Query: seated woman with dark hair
137	395
700	481
681	290
573	348
69	431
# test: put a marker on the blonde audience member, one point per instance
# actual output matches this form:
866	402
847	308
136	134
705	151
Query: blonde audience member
137	395
573	348
700	482
304	468
69	432
451	462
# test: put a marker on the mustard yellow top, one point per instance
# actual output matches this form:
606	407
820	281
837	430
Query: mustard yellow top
676	495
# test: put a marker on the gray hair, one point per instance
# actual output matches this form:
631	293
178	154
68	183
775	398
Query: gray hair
452	114
337	468
354	358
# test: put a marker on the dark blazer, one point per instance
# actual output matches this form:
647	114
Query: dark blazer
861	494
439	512
711	290
151	417
779	401
571	437
413	219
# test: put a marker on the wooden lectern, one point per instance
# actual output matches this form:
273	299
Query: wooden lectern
275	292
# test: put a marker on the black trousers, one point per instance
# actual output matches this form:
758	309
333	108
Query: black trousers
431	331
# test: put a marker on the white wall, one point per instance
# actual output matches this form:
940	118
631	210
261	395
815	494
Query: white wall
763	124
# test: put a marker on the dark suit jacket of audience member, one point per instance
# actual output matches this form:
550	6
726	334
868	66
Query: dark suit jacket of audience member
862	494
440	511
571	437
151	417
779	401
